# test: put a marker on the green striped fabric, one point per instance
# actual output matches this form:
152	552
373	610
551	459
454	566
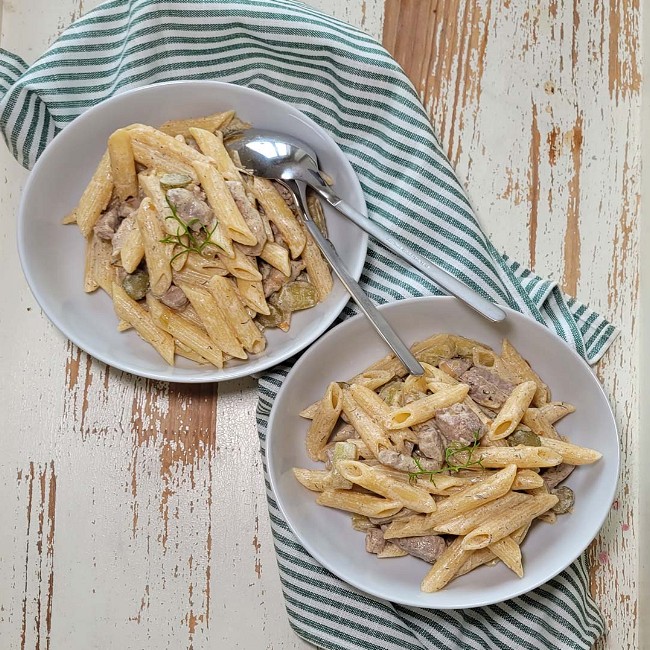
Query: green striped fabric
351	86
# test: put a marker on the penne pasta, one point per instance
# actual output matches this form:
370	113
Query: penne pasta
95	197
216	325
251	293
362	504
139	318
373	435
325	418
224	293
192	337
512	411
279	213
572	454
208	122
223	205
157	254
120	153
424	409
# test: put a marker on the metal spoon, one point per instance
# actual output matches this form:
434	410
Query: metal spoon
365	304
280	156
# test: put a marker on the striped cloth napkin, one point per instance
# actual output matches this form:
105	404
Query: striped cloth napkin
351	86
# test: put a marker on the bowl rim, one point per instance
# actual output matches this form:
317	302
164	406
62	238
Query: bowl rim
477	602
217	375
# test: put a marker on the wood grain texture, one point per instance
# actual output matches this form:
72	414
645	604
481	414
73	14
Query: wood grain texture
162	536
537	105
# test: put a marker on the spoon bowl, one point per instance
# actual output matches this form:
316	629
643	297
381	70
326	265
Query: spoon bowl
280	156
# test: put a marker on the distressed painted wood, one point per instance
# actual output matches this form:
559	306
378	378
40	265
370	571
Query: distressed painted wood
134	512
538	106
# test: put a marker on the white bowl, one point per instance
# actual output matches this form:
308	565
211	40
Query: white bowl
52	255
328	535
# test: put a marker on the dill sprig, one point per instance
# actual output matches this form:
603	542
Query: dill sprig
450	465
187	239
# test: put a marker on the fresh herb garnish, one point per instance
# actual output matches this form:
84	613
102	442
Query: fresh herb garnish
450	460
186	238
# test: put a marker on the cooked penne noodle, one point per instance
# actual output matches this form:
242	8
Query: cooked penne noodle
251	293
316	480
215	323
508	522
130	311
446	566
390	550
572	454
467	499
519	369
278	212
277	256
526	479
211	144
166	144
374	436
512	411
187	353
98	271
521	456
241	265
120	153
554	411
95	197
509	552
538	424
223	205
362	504
409	496
207	122
191	336
326	416
467	521
156	160
249	335
69	218
317	268
131	252
372	404
157	254
425	408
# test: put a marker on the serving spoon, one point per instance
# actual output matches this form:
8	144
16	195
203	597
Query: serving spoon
280	156
358	295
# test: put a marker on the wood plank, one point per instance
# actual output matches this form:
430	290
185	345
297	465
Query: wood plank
537	105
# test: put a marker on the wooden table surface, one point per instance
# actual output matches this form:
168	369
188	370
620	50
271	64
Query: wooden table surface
116	537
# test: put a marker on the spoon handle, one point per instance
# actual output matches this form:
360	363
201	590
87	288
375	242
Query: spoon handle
443	279
365	304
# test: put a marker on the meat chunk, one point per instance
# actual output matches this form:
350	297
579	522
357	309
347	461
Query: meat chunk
428	548
251	217
275	279
128	207
375	540
553	476
486	387
456	366
458	423
405	463
430	441
107	224
193	211
174	298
